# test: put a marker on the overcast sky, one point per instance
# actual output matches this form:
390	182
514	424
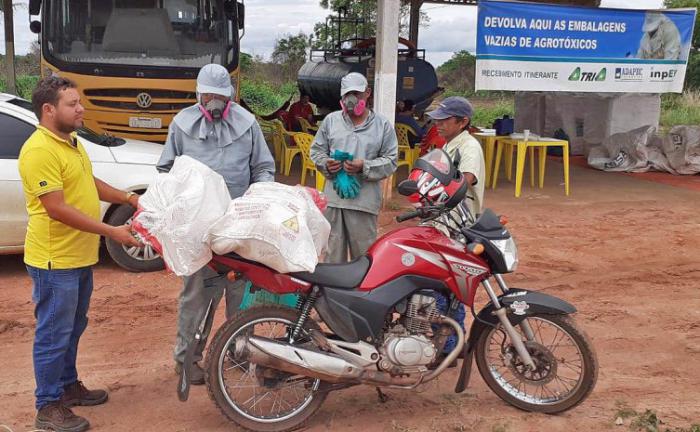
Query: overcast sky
452	28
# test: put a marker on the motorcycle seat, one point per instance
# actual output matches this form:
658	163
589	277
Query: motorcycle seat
347	275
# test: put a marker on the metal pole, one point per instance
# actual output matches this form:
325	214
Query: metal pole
386	65
9	48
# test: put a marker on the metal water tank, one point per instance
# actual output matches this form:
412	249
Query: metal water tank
320	79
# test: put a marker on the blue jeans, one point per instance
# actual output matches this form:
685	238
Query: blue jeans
61	299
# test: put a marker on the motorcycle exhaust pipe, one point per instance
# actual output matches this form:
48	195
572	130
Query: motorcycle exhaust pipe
314	364
327	367
296	360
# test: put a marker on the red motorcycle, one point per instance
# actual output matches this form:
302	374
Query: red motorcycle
377	320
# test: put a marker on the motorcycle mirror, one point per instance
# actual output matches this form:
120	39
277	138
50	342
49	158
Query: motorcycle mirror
408	187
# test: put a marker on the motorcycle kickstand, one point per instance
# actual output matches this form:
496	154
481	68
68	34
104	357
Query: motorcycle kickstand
383	397
183	385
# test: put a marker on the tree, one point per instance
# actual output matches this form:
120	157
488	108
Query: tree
457	73
245	61
363	9
15	6
290	53
291	49
9	43
458	62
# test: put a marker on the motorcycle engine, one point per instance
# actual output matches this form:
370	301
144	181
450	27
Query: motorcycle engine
406	346
409	350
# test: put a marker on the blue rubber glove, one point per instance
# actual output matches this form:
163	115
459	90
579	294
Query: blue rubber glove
341	156
345	185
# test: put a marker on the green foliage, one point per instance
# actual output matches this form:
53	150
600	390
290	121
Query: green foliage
624	411
457	74
486	111
692	73
362	9
648	421
245	62
25	85
680	109
264	97
459	61
291	50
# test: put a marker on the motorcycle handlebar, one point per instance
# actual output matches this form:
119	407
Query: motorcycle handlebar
408	215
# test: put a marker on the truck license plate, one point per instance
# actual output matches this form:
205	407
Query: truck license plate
145	122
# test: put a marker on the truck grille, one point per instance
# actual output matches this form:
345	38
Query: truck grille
132	106
126	99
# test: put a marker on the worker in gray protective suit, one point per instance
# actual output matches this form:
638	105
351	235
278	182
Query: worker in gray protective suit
661	39
227	138
371	140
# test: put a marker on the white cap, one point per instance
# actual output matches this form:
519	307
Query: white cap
652	21
353	82
214	79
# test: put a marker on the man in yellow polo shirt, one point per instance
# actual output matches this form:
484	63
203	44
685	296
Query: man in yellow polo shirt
63	237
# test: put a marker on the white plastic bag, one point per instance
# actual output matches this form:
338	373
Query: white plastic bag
273	224
178	209
682	147
627	151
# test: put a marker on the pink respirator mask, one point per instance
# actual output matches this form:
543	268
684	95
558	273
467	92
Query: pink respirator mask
215	109
354	104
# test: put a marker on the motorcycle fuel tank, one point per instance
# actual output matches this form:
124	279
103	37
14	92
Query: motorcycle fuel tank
426	252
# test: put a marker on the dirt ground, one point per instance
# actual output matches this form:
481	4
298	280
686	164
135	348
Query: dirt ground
622	249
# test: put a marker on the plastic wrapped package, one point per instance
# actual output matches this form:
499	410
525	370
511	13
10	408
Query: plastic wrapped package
273	224
178	209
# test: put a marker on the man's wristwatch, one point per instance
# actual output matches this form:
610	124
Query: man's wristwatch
129	195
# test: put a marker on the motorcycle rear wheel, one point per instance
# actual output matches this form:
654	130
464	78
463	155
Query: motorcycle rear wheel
566	365
221	365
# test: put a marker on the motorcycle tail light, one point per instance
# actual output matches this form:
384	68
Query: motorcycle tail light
503	220
231	276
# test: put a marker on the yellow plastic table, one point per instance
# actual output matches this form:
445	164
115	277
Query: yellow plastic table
507	146
488	142
542	144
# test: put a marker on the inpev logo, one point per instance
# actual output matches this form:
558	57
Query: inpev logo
663	74
579	75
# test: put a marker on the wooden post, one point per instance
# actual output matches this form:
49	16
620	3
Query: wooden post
415	21
10	86
385	69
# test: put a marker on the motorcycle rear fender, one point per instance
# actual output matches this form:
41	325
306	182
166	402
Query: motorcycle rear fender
529	303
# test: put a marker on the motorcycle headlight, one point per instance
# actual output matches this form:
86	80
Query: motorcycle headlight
509	251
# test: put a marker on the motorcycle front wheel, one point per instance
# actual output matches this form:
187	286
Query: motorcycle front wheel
254	397
566	367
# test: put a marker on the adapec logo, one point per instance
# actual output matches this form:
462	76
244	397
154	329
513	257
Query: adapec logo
578	75
629	74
